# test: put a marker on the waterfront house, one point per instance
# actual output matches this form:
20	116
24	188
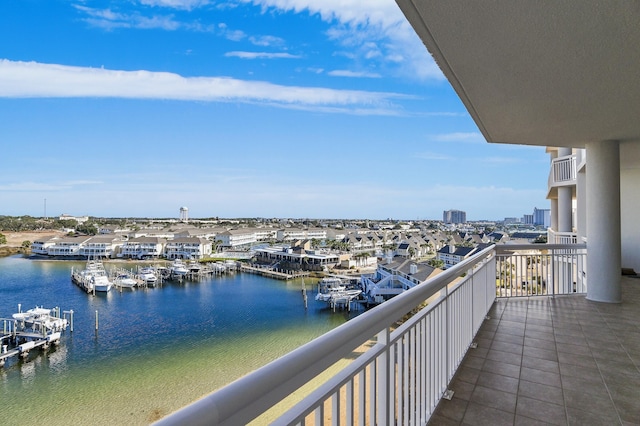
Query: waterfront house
67	247
236	239
143	248
394	276
187	248
41	245
100	246
299	256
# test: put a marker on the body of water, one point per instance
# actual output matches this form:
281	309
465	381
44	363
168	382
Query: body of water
156	349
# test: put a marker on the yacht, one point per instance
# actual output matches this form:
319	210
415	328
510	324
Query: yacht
178	269
93	277
148	275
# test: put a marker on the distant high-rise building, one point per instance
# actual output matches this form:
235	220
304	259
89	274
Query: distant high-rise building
527	219
542	217
454	216
184	214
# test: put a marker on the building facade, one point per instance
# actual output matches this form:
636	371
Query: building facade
454	216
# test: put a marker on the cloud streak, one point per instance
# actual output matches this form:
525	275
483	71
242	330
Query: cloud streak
260	55
38	80
457	137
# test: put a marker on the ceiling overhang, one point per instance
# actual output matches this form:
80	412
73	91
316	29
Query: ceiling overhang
550	73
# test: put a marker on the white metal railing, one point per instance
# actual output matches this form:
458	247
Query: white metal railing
564	169
404	372
555	237
540	269
399	379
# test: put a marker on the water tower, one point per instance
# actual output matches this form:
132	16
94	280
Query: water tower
184	214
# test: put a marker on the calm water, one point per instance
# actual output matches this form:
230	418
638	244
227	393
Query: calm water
155	351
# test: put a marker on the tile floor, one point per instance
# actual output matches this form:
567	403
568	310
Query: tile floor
551	361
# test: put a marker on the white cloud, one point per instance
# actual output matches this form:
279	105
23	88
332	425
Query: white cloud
42	186
358	23
176	4
347	73
107	19
266	41
499	160
433	156
261	55
37	80
473	137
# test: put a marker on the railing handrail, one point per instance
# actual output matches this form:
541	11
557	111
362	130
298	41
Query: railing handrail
501	248
248	397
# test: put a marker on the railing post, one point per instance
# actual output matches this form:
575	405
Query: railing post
448	340
383	388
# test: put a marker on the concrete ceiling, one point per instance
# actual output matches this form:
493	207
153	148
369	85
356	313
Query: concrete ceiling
557	73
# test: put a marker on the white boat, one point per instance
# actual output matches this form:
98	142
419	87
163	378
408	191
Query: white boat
178	269
125	280
101	283
148	275
93	277
329	287
333	292
40	319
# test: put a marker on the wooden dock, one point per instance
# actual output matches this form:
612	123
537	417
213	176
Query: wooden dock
268	272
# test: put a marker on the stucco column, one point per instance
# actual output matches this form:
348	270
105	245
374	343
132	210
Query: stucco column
604	258
565	208
554	215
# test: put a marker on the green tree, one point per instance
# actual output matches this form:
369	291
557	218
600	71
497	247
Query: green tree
436	263
26	244
3	239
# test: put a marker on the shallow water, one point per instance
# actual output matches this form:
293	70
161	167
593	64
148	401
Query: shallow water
155	350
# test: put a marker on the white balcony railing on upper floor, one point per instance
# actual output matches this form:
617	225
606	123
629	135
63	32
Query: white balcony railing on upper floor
416	341
563	170
555	237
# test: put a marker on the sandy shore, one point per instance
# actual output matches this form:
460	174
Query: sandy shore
15	239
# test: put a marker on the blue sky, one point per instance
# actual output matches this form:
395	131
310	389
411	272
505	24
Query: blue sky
256	108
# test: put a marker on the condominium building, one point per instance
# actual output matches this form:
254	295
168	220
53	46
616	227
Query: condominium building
454	216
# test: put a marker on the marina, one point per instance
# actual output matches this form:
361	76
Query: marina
156	348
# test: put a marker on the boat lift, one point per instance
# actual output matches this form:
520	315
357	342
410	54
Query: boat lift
35	328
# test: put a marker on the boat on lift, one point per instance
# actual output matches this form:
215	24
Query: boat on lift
178	269
148	275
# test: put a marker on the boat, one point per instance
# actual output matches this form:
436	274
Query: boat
328	287
178	269
334	292
124	279
93	278
40	320
148	275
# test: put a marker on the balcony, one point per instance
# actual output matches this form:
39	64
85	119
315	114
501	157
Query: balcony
551	360
564	172
505	337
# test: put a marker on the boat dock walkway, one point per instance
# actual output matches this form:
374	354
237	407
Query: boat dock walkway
268	272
